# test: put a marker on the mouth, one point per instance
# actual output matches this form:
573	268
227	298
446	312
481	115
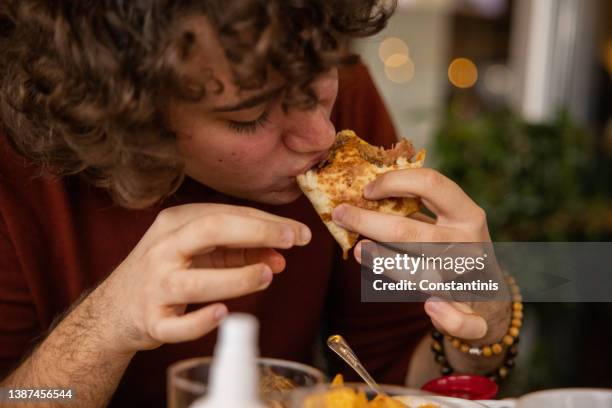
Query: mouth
315	162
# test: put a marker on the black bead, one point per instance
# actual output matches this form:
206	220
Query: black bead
440	359
494	378
509	363
436	335
516	340
513	351
446	370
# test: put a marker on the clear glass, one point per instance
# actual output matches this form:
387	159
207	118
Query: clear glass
188	379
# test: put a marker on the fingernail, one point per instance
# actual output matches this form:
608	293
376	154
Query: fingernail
436	305
305	235
266	275
367	190
220	312
338	213
358	252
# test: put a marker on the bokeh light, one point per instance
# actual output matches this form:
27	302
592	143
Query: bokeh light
392	46
463	73
395	55
396	60
402	73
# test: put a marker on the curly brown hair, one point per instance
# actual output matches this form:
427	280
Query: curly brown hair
82	81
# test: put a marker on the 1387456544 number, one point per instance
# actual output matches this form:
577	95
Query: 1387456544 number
35	394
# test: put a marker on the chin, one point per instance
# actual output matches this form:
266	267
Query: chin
280	197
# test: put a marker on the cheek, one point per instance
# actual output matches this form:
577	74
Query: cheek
219	149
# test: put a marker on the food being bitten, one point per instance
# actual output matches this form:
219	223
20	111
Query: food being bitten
352	163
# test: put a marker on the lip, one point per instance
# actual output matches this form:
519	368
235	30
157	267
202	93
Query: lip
316	160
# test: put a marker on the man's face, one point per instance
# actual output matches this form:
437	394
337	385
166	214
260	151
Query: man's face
242	143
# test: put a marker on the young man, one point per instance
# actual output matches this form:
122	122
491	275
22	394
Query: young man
176	130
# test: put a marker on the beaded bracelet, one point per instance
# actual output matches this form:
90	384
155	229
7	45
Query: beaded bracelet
509	340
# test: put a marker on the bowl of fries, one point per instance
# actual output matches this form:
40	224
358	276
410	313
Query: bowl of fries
339	394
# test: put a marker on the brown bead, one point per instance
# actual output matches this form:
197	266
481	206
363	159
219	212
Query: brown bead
496	348
465	348
517	306
518	297
516	323
517	314
456	343
508	340
513	331
436	345
486	351
503	372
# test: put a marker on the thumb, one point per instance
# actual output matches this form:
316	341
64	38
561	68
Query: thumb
455	319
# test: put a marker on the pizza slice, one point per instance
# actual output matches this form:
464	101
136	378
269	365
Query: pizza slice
351	164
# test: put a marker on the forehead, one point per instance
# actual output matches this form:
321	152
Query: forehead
208	58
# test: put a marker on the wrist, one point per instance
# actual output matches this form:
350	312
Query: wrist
99	319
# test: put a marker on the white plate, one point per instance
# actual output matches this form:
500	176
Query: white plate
443	402
567	398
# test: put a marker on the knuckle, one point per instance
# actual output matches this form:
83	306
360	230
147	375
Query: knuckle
189	286
165	216
400	233
433	179
167	284
261	229
208	224
480	216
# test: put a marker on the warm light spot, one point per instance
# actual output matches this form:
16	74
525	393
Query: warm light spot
391	46
463	73
402	73
396	60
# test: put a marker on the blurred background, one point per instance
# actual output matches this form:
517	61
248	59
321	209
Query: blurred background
513	100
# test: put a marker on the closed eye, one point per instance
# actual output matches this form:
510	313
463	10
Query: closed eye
250	126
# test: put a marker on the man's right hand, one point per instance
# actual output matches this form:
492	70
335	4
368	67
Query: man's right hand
196	253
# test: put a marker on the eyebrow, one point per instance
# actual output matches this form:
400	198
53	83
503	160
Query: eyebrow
251	102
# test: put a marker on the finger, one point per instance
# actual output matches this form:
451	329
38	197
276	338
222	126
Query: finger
419	216
233	230
458	323
440	194
208	285
235	257
359	248
175	217
190	326
389	228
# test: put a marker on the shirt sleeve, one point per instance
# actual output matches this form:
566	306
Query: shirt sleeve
18	320
384	335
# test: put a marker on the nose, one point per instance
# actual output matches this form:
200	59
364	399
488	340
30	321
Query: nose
308	130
